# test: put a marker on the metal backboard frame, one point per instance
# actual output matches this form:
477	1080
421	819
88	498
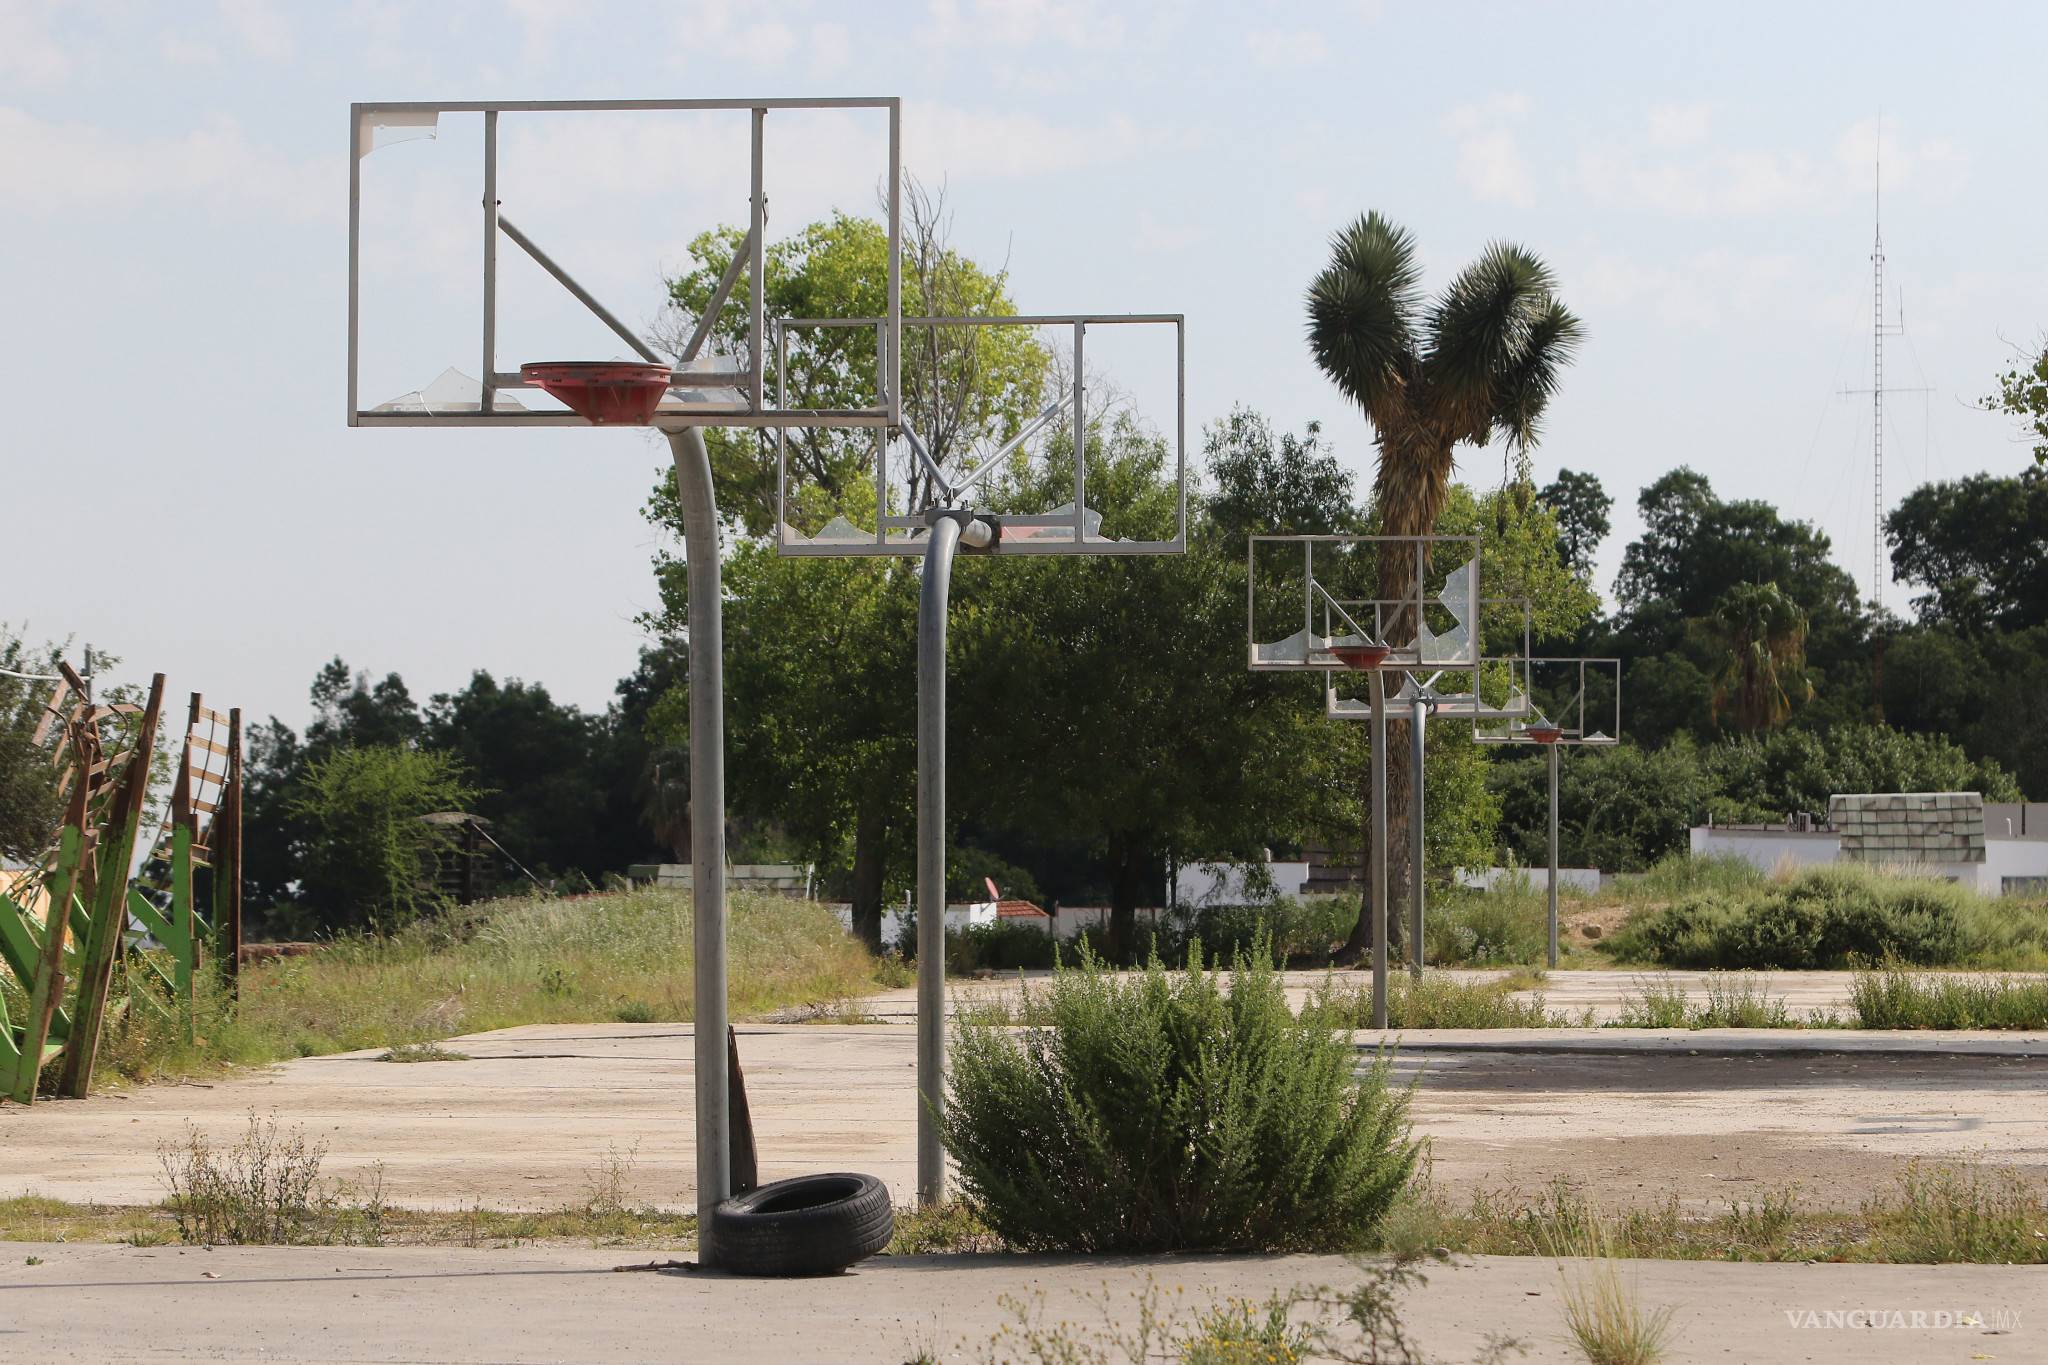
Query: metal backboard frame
902	532
1332	615
702	394
1470	704
1574	715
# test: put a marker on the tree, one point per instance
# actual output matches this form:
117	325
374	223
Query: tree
369	860
1581	506
1129	725
29	808
1760	635
1483	357
962	387
821	702
539	769
1695	548
2023	395
1292	487
1978	546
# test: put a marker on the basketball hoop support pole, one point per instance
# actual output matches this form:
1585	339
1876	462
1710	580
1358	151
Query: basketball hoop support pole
1552	952
1379	850
948	528
1416	719
707	829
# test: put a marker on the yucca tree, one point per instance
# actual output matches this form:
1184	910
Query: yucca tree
1479	361
1760	633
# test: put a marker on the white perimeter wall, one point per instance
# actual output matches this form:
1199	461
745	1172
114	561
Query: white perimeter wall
1577	878
1229	883
1765	849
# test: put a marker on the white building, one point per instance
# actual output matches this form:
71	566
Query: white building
1996	848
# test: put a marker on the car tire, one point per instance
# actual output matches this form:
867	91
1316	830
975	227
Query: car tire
809	1225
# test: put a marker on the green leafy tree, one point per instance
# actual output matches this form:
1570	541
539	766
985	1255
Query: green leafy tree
540	769
1978	549
2023	395
369	859
29	808
1760	635
1581	506
962	387
1481	359
1292	485
821	707
1103	702
1694	549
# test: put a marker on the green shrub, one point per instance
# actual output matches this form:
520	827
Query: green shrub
1000	946
1732	1002
1507	925
1159	1113
1835	917
1295	928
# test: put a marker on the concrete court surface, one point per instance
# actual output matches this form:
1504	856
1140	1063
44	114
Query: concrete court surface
525	1122
100	1302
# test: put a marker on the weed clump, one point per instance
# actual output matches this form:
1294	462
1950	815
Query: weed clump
1160	1113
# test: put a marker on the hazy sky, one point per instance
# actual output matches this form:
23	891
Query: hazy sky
180	487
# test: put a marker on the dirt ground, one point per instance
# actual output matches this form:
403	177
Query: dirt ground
529	1119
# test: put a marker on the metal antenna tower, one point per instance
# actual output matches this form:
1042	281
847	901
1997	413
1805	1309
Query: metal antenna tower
1877	390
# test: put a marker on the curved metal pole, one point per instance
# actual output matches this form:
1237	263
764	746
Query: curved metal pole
1552	955
931	854
1416	720
707	829
1379	851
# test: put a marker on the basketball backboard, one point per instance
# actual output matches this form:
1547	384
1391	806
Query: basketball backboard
1496	689
506	233
993	409
1315	602
1571	701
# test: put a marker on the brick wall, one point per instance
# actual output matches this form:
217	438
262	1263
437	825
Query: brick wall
1910	827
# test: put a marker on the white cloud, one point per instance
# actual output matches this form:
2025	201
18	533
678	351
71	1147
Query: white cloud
1161	237
1707	289
59	167
1680	125
27	51
1276	48
831	49
1655	174
182	51
260	27
967	143
1023	23
1490	159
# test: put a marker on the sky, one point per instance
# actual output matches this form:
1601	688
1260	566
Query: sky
181	488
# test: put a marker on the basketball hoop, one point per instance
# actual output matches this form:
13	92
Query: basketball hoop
602	392
1544	734
1361	658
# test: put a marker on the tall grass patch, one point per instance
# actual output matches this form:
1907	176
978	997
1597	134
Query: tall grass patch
1895	998
1160	1112
500	964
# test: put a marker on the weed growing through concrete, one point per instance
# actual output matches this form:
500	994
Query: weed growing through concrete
1438	1000
265	1190
423	1052
1736	1000
1602	1308
1360	1325
1893	997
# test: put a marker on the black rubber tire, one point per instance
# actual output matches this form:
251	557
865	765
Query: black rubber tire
809	1225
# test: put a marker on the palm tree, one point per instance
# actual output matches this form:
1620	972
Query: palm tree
1480	359
1761	633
